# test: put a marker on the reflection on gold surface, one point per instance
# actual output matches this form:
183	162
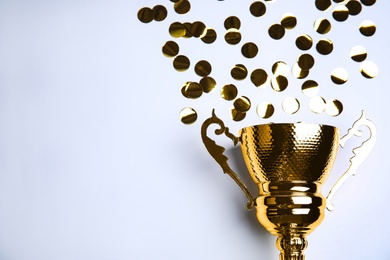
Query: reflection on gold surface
242	104
257	9
367	28
188	115
239	72
208	84
276	31
259	77
290	105
358	53
339	76
334	107
369	69
265	110
304	42
249	50
322	26
317	104
324	46
170	49
203	68
310	88
229	92
181	63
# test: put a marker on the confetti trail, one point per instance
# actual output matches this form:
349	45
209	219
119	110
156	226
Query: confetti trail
277	77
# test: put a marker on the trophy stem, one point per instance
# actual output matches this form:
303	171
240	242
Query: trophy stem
291	247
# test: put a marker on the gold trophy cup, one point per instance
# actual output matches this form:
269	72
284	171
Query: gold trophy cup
289	163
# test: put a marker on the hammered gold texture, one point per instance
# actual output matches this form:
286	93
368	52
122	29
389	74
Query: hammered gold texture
289	152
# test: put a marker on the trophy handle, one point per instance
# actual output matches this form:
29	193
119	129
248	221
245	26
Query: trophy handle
360	154
216	152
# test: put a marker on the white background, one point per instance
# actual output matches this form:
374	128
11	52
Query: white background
95	163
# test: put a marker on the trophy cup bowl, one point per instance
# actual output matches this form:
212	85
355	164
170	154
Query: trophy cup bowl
289	162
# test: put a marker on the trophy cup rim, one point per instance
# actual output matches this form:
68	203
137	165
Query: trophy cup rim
300	123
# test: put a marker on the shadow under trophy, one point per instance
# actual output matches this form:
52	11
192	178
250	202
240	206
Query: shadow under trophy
289	163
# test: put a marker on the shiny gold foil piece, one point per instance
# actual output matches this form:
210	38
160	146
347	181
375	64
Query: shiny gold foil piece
298	72
291	105
259	77
182	6
209	36
288	21
276	31
317	104
304	42
339	76
358	53
232	22
192	90
279	83
258	9
181	63
237	115
305	61
160	13
249	50
280	68
265	110
367	28
322	26
146	15
324	46
170	49
369	69
354	7
310	88
208	84
242	104
340	13
203	68
197	29
188	116
239	72
233	36
177	30
368	2
323	5
229	92
334	107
